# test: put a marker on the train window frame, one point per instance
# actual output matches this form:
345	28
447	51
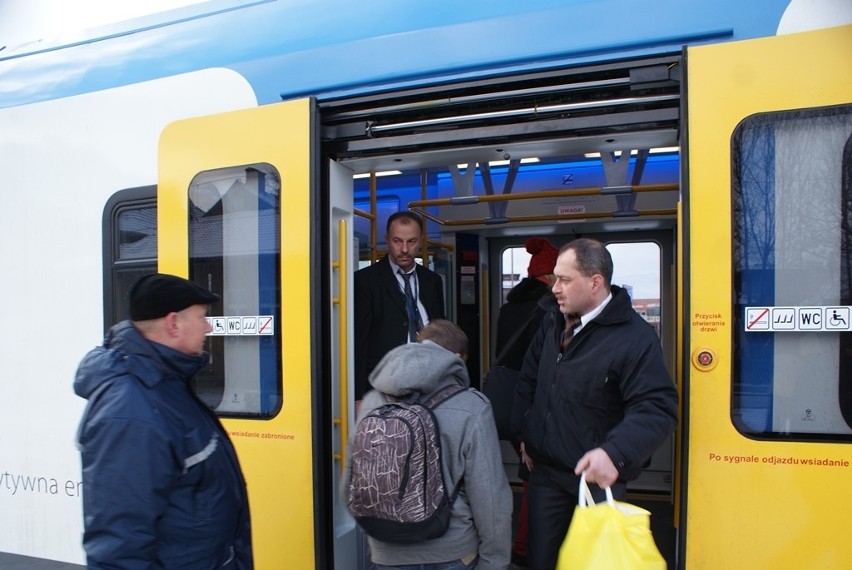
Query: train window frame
514	254
243	202
769	208
115	289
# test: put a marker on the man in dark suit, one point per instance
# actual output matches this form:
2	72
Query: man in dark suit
394	298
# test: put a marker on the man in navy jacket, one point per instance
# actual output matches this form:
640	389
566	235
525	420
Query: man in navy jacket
594	395
162	487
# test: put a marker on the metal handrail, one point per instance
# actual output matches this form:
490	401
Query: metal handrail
343	365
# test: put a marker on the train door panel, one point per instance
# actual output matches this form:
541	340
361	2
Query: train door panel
233	214
344	255
769	290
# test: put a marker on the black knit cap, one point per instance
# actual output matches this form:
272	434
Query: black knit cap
156	295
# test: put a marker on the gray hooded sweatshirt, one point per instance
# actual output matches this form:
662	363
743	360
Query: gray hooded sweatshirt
481	521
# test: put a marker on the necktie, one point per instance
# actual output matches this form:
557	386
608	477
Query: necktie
571	322
411	308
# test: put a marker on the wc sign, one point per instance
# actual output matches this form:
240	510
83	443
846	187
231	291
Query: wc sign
798	319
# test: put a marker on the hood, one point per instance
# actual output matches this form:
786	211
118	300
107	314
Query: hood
126	352
419	368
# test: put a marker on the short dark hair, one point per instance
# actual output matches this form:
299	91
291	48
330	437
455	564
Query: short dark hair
445	334
592	257
406	217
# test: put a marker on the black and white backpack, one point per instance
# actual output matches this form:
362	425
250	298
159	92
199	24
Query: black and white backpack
397	491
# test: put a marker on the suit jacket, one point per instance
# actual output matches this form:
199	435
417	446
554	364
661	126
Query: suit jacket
381	321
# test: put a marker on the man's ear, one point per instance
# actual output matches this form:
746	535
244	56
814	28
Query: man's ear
171	324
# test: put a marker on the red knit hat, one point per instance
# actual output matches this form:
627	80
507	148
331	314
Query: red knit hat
543	256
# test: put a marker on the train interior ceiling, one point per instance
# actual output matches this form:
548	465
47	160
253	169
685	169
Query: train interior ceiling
518	155
591	151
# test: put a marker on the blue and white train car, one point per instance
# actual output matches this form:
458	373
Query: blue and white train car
243	143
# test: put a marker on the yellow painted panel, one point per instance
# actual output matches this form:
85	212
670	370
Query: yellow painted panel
275	454
751	512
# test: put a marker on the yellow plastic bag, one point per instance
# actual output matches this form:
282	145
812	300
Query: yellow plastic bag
609	536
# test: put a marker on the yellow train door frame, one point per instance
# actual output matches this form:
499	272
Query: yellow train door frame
275	446
742	508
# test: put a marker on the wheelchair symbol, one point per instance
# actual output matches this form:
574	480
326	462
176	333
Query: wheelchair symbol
837	320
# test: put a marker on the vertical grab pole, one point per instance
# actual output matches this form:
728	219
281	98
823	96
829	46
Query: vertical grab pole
342	322
374	238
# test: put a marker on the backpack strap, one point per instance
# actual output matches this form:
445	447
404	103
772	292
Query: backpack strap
438	397
516	336
443	394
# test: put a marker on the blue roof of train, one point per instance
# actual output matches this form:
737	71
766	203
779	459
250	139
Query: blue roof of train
290	48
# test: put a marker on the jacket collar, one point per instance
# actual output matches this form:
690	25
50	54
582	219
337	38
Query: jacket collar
149	361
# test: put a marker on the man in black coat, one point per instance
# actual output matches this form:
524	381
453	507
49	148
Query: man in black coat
593	396
384	318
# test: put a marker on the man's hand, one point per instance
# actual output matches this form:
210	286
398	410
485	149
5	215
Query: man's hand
526	458
599	468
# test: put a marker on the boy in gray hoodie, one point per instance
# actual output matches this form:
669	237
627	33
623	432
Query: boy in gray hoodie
480	533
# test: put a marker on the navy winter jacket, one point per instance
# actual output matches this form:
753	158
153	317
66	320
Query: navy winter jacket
162	487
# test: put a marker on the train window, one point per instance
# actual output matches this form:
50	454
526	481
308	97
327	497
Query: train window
514	268
792	268
637	269
129	247
234	249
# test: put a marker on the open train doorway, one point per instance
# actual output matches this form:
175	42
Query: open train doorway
592	151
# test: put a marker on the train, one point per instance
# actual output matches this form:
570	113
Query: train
258	147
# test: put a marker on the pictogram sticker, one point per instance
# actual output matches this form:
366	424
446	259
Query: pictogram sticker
837	318
810	318
265	325
249	325
798	319
783	318
757	319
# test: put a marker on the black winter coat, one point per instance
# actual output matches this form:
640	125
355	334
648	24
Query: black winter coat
609	389
521	310
381	321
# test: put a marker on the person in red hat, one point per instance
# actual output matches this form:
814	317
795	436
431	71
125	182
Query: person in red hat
517	324
522	311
